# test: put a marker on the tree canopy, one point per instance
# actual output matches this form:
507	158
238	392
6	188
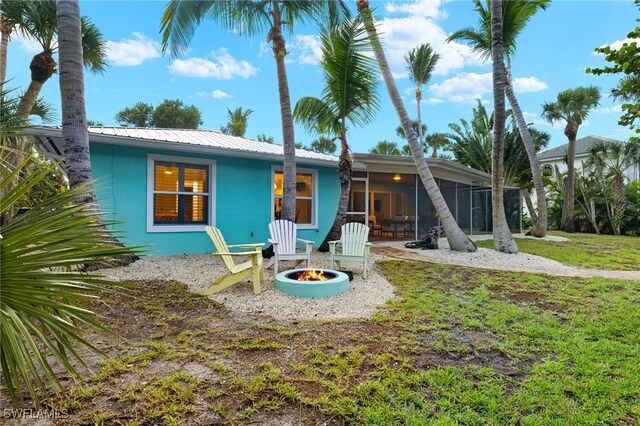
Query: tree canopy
626	62
170	114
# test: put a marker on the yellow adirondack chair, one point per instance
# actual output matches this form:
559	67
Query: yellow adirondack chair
284	237
252	268
354	246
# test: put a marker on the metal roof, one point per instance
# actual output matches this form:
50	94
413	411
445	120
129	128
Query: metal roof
582	147
201	141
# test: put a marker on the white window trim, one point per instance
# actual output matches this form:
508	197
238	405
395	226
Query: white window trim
151	160
314	197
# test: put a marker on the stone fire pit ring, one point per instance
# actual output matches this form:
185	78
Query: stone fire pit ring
286	282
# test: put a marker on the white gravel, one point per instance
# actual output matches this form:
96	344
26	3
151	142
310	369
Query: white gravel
491	259
197	271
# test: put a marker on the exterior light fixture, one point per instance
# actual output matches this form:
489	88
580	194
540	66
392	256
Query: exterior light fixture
396	177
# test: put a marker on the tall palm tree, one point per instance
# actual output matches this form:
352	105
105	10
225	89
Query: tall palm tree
572	106
386	148
516	15
74	116
502	238
37	19
610	159
457	239
251	17
349	95
420	64
324	144
437	141
237	124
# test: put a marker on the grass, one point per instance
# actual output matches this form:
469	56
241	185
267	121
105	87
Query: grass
458	346
584	250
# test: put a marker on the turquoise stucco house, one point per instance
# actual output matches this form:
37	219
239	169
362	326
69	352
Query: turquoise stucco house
166	185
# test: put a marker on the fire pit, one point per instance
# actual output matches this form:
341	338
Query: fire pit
312	283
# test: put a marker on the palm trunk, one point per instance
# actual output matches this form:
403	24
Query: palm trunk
568	207
74	118
620	202
458	241
42	68
344	170
527	200
288	135
5	34
502	237
540	224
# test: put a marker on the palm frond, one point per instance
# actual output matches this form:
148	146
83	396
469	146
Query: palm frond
94	47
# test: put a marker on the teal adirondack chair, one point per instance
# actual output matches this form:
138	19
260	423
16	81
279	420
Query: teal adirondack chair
236	272
353	245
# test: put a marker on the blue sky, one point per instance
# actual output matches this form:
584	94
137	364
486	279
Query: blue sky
223	70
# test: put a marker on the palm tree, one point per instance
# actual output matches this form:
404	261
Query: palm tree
37	19
610	159
420	64
502	238
572	106
74	116
324	144
437	141
237	124
386	148
182	17
516	15
457	239
349	94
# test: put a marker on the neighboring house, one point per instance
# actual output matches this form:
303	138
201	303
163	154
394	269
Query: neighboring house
166	185
556	156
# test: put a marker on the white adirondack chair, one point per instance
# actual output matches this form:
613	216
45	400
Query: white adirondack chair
236	272
284	239
354	246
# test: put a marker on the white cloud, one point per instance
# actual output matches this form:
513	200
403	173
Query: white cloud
223	67
424	8
466	87
608	110
413	23
433	101
134	51
304	49
528	85
27	44
220	94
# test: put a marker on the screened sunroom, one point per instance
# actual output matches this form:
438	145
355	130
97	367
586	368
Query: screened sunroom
387	194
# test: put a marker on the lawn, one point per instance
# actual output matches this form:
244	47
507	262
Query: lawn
584	250
459	346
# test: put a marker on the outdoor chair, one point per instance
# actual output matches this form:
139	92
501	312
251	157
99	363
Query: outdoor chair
284	237
353	244
236	272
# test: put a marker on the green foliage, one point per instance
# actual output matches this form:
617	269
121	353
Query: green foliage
139	115
471	144
237	124
43	292
350	85
572	106
170	114
324	144
264	138
584	250
386	148
95	123
173	114
624	61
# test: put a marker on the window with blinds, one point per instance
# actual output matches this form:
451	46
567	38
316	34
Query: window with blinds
305	196
180	193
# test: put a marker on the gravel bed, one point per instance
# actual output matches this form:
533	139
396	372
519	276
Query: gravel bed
198	270
491	259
